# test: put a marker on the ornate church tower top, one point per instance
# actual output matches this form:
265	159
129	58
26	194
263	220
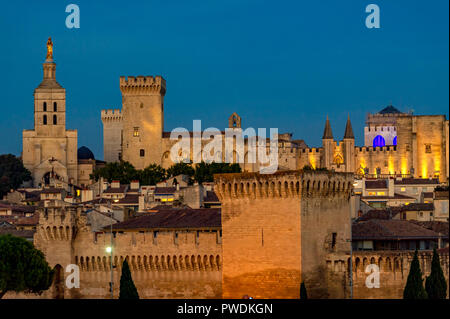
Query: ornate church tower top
49	66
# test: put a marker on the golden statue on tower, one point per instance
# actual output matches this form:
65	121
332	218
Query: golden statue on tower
49	48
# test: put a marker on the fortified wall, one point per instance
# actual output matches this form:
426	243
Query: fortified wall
394	269
280	229
168	264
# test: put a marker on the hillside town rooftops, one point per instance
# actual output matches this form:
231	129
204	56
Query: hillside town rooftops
173	219
393	229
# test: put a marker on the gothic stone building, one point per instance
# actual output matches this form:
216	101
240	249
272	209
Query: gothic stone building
396	144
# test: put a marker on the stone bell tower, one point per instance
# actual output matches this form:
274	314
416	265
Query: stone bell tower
49	150
143	119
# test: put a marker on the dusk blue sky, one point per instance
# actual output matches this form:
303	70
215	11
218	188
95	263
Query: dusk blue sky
284	64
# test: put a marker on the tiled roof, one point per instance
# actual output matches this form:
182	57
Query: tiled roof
418	206
389	110
211	197
116	190
128	199
396	196
393	229
376	184
18	233
51	190
379	214
174	218
441	195
19	209
165	190
416	181
438	227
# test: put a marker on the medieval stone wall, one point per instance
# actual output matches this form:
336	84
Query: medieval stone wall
277	230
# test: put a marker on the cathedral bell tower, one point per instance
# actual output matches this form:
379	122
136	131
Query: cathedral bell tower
49	150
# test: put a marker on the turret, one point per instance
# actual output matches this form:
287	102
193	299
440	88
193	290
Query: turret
327	143
349	147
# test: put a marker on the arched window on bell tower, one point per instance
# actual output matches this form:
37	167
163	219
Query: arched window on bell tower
44	107
44	120
55	120
55	107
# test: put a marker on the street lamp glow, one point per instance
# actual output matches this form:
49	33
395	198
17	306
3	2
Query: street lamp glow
108	249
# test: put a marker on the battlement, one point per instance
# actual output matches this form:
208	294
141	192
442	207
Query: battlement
58	223
371	149
282	184
142	85
111	115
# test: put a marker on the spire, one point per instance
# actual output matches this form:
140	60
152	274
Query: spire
327	133
49	66
348	129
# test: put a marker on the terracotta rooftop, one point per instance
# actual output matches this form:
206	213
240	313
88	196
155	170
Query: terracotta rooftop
165	190
393	229
416	181
116	190
174	218
211	197
418	207
376	184
396	196
438	227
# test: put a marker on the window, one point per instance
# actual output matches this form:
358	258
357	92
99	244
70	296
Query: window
44	120
142	153
45	107
55	107
333	240
175	238
379	141
381	193
55	120
427	148
407	147
136	132
403	189
197	238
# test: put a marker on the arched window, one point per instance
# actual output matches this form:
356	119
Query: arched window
55	107
142	153
394	142
44	107
55	120
44	120
379	141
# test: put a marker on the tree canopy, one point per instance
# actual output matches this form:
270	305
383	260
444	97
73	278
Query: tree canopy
22	267
153	174
127	288
12	173
414	284
435	284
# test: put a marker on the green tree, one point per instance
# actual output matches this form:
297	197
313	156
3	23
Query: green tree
22	267
204	172
303	294
151	175
127	288
180	168
414	284
12	173
121	171
435	284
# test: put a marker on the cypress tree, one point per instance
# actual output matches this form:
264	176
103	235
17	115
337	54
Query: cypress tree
127	288
435	284
414	285
303	294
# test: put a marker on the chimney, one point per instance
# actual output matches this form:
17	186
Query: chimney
115	184
134	185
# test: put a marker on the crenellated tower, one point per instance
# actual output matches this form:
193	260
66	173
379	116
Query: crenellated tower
143	119
112	135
